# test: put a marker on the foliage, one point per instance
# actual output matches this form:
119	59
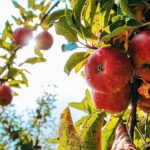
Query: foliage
30	129
83	23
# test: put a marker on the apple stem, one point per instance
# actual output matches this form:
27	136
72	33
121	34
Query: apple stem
133	119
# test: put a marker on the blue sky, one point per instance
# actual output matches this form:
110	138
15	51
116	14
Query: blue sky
69	88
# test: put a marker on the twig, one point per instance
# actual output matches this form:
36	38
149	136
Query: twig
146	123
44	17
133	119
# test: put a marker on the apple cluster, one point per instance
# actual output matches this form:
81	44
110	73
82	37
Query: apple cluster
22	36
108	71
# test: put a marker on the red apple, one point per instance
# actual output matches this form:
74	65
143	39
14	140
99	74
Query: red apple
143	107
21	36
140	54
107	70
5	95
44	40
113	103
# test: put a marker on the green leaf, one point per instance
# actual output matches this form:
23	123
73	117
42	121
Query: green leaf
116	28
73	60
55	15
85	105
69	47
90	11
33	60
46	7
15	83
31	3
7	32
68	136
91	133
38	53
24	78
105	11
62	28
125	8
17	5
17	20
12	73
108	132
78	11
80	124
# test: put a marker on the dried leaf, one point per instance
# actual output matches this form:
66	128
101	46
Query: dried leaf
144	90
122	139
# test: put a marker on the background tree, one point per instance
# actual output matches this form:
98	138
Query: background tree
30	129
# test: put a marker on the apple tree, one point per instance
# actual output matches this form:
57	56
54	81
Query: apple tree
114	59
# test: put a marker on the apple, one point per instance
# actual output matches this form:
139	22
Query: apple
5	95
22	36
107	70
112	103
44	40
140	54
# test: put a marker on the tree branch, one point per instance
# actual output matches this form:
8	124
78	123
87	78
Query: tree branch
44	17
133	119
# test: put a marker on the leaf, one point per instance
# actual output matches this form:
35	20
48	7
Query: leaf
33	60
80	124
122	139
31	3
91	133
108	132
69	47
73	60
17	20
17	5
77	11
24	78
85	105
55	15
105	8
118	27
80	65
144	90
90	11
68	136
7	32
125	8
38	53
62	28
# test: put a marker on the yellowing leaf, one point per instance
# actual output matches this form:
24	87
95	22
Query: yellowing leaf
74	60
91	134
69	139
138	14
122	37
79	66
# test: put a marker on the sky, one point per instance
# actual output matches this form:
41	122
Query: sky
69	88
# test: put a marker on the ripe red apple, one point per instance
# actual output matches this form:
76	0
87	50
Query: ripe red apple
140	54
5	95
107	70
44	40
21	36
113	103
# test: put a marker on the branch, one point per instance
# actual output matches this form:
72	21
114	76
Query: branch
133	119
44	17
